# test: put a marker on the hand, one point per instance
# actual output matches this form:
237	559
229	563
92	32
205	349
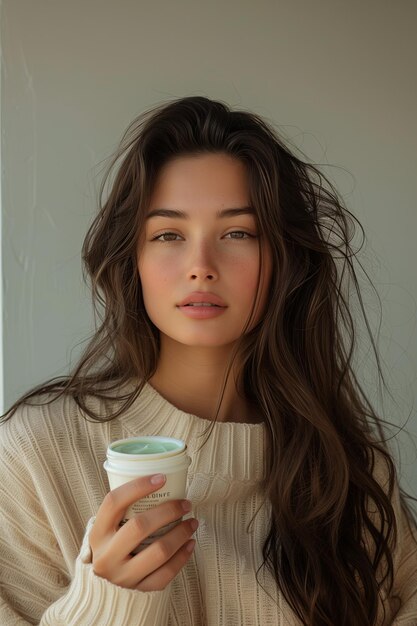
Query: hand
155	566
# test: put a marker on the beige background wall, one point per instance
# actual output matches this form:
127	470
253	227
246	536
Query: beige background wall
336	77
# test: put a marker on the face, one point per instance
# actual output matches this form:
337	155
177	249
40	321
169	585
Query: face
202	251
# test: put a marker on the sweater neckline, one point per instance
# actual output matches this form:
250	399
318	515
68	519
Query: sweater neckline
231	449
149	395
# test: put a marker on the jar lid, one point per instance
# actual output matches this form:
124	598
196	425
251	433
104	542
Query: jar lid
145	448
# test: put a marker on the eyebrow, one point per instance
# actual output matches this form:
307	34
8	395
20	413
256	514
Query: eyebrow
176	213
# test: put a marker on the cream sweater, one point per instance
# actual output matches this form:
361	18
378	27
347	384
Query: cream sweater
52	482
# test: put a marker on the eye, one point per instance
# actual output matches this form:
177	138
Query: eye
240	232
158	238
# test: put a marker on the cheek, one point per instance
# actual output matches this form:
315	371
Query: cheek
244	274
156	274
247	281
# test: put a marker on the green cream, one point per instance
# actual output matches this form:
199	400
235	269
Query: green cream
144	447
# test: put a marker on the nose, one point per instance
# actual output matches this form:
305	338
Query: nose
202	265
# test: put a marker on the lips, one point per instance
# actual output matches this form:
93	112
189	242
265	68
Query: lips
202	304
202	296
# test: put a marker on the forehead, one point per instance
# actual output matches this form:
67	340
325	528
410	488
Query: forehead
193	182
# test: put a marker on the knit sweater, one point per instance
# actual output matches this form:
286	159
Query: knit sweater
52	482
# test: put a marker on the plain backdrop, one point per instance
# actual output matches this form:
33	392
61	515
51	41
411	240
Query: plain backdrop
336	78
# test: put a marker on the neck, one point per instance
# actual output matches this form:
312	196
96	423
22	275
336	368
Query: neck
191	378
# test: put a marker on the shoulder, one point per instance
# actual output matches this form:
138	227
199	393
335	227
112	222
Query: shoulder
385	473
36	421
55	431
48	422
383	468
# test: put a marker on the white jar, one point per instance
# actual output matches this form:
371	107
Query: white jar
143	456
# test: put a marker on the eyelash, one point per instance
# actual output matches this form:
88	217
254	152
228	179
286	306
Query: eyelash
233	231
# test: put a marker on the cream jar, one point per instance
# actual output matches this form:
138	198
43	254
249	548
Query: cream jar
143	456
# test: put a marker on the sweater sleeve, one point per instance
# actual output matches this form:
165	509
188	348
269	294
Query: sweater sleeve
36	584
94	600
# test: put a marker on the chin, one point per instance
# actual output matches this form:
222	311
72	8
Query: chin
199	343
212	343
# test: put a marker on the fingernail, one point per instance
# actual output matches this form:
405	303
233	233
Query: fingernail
190	545
158	479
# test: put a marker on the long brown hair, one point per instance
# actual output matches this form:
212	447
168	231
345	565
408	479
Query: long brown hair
296	363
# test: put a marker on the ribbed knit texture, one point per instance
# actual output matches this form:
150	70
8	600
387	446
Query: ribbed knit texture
52	483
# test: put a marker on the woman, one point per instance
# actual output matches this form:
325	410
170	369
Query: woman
216	275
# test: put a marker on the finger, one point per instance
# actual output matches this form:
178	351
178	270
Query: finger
155	557
160	578
115	504
131	534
